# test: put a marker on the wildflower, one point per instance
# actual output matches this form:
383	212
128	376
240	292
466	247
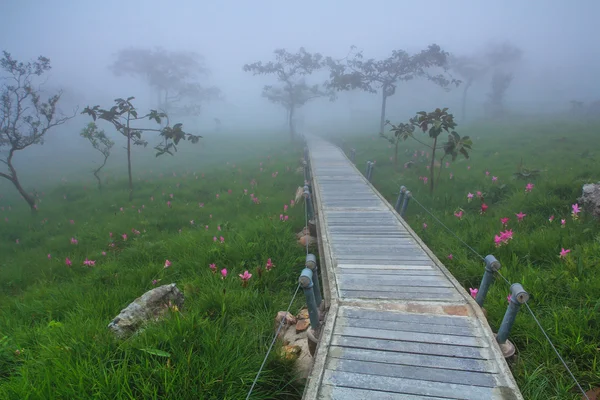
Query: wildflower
72	222
425	180
229	191
484	207
424	225
281	217
269	265
17	241
224	273
68	262
459	214
520	216
245	192
487	173
222	239
217	196
214	238
562	223
576	210
169	203
504	221
171	195
213	268
219	228
121	209
509	298
285	207
503	238
450	256
551	218
73	240
494	178
479	194
200	205
451	175
167	263
469	197
49	256
563	253
154	281
529	187
285	218
124	236
206	227
245	277
474	292
89	263
103	253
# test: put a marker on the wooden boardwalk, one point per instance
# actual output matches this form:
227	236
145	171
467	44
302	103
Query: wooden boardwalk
398	325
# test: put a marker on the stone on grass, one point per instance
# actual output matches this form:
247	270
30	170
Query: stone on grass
590	199
150	306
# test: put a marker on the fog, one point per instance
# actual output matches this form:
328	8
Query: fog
560	55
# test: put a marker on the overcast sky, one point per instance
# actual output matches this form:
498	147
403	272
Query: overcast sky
559	38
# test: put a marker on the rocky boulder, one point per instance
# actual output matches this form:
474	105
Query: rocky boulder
590	199
150	306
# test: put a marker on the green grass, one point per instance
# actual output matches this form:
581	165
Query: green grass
54	341
565	293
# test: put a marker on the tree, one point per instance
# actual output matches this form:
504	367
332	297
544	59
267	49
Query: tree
470	69
123	116
100	142
399	132
495	103
434	123
24	117
172	74
291	70
383	75
500	57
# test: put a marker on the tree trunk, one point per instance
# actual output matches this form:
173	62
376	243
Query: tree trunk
291	121
396	156
129	161
383	103
464	100
14	178
431	174
98	170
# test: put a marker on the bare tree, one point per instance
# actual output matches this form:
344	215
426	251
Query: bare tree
24	117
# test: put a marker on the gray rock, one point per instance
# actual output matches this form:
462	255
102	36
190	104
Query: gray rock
590	199
150	306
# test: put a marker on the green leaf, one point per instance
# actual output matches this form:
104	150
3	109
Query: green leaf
156	352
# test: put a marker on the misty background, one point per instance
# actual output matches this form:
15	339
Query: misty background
558	39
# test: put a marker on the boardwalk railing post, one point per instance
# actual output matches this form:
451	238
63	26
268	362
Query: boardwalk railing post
518	296
491	265
309	204
368	168
311	263
370	173
353	155
306	282
400	198
407	197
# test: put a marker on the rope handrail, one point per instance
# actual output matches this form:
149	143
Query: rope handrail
585	396
283	320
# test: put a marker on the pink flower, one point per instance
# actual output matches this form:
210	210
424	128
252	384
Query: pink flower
206	227
222	239
424	225
109	234
509	297
213	268
563	253
551	218
447	164
73	240
200	205
503	238
269	265
484	207
281	217
504	221
217	196
520	216
425	180
89	263
562	223
450	256
171	195
224	273
68	262
451	175
72	222
474	292
479	194
285	218
219	228
103	253
154	281
469	197
245	277
169	203
121	209
459	214
167	263
576	210
245	191
124	236
285	207
49	256
468	167
229	191
529	187
487	173
214	238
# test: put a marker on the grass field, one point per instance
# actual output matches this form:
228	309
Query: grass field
54	341
565	292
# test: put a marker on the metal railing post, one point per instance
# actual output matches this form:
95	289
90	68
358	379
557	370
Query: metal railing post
368	168
518	296
353	155
306	283
407	197
491	265
309	204
311	263
370	173
400	198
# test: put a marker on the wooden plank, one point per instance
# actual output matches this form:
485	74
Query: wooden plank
425	266
406	386
384	295
343	393
424	360
413	372
387	272
408	326
409	336
425	291
394	282
353	312
411	347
